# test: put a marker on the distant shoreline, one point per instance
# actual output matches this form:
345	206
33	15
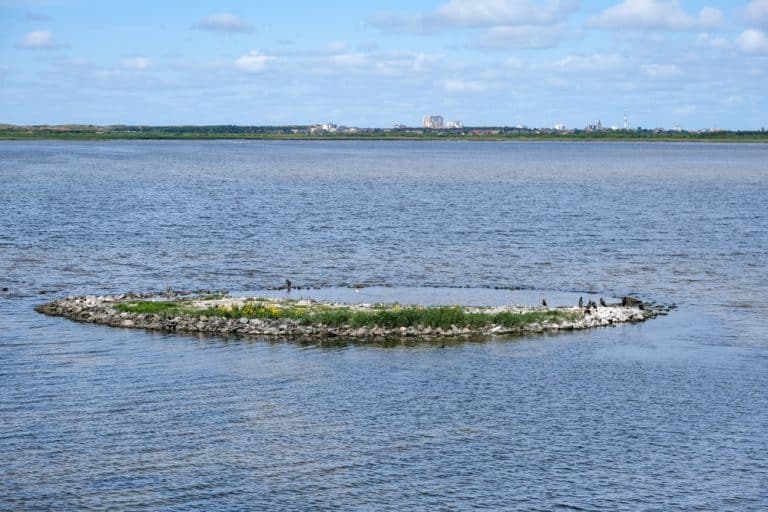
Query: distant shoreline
99	133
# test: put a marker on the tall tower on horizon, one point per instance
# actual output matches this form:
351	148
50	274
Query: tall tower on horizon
626	119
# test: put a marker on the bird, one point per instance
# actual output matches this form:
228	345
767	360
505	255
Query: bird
581	302
602	302
288	284
544	302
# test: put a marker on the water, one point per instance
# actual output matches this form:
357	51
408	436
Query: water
667	415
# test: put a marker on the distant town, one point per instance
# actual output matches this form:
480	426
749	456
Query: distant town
432	127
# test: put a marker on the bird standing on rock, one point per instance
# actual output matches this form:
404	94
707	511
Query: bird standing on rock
581	302
288	284
544	302
602	302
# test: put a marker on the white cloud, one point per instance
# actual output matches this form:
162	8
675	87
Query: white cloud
392	22
756	13
710	17
349	59
493	13
403	63
528	36
655	14
40	39
225	22
685	110
336	48
592	63
754	42
719	43
474	13
458	85
253	62
137	63
661	70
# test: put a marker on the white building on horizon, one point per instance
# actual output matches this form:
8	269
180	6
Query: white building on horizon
434	122
454	124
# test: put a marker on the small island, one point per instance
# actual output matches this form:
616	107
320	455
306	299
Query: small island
220	314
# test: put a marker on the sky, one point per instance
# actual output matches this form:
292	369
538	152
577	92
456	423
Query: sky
538	63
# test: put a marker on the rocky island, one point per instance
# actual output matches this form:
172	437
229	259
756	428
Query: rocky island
311	319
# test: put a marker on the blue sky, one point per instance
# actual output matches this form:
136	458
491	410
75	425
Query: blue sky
484	62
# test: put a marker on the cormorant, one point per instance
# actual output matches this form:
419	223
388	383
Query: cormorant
602	302
544	302
581	302
288	284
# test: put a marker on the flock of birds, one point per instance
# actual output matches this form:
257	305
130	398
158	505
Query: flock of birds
590	305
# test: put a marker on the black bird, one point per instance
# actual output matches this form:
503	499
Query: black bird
544	302
288	284
602	302
581	302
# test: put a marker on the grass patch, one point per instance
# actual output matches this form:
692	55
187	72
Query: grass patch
152	307
390	317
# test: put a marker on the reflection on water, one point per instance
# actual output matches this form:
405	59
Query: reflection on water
669	414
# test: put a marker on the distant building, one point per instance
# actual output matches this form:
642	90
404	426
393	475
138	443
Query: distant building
454	124
560	127
434	122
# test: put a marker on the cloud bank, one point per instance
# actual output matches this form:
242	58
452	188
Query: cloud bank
225	22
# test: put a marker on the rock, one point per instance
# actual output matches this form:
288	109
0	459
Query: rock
631	302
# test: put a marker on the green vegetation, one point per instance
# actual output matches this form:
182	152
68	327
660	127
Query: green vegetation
393	316
165	308
301	132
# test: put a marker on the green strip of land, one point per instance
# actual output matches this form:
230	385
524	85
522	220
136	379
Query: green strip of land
387	316
299	132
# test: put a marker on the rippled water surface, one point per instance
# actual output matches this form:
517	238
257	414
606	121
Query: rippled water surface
667	415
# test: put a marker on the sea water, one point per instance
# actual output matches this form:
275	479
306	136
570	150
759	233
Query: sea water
671	414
